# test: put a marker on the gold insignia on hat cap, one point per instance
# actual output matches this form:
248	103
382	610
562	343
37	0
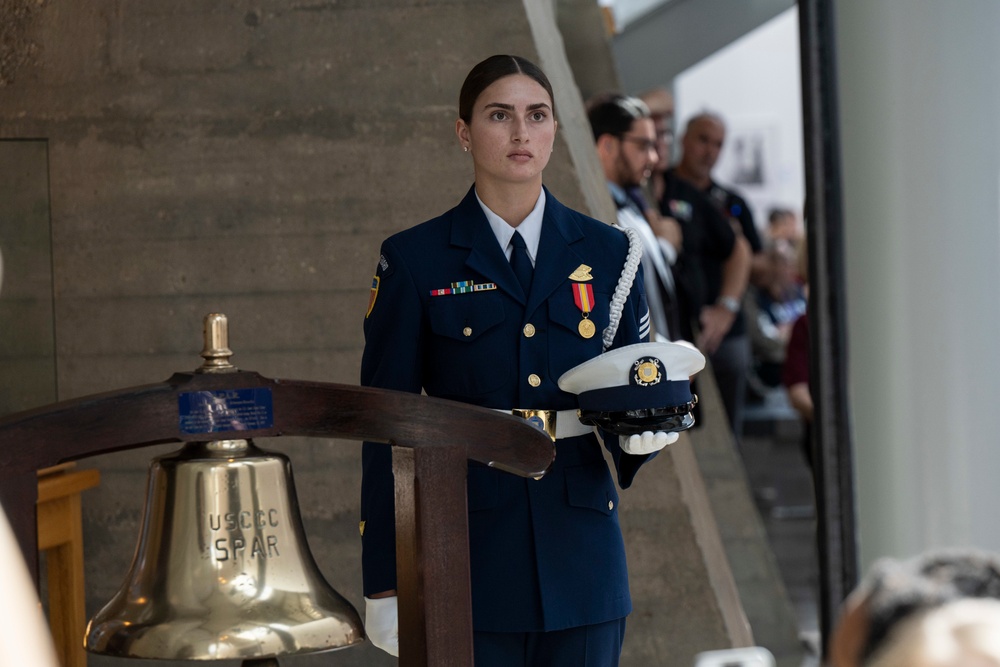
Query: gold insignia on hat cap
647	371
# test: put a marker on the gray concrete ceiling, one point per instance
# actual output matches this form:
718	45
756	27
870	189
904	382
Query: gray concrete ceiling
654	48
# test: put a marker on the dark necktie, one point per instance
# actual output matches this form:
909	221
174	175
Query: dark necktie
520	262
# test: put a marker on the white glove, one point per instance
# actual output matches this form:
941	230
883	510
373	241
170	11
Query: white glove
647	443
382	623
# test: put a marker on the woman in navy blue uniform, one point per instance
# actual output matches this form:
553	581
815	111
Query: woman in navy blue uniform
448	315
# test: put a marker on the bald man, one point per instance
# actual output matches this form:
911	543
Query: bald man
703	138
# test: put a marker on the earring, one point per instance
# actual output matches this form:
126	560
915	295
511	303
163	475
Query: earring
465	148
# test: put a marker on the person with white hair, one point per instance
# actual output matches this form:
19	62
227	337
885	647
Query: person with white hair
963	633
895	591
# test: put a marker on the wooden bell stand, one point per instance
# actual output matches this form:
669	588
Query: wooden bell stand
432	439
60	534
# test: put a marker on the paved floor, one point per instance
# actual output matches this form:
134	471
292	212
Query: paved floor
782	486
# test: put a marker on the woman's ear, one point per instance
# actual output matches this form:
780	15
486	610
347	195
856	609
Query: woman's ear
462	132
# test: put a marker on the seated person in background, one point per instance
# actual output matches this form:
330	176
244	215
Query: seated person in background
773	302
783	225
964	633
895	590
795	372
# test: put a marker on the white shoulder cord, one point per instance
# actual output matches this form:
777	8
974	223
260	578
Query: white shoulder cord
624	284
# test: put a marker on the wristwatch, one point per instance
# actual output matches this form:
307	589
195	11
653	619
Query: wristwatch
729	303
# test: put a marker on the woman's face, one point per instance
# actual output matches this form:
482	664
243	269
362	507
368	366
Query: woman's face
511	131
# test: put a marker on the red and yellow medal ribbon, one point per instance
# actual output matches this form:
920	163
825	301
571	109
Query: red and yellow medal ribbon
583	296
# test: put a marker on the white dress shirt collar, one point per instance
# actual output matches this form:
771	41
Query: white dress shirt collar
530	228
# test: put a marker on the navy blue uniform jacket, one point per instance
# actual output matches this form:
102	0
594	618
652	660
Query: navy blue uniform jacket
545	554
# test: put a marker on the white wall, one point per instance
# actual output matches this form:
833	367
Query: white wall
920	126
754	84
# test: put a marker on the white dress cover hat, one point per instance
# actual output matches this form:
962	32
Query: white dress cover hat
636	388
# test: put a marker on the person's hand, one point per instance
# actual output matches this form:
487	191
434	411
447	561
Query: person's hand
666	228
647	442
801	399
382	623
715	321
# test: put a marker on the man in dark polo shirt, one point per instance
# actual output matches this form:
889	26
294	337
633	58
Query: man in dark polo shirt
713	271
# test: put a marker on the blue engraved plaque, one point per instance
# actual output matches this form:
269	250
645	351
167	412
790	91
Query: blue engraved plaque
225	410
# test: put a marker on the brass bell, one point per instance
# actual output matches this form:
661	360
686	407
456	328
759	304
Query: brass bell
222	569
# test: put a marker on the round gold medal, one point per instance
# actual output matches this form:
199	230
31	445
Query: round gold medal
587	328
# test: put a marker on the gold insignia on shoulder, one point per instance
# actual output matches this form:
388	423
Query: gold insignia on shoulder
361	527
581	273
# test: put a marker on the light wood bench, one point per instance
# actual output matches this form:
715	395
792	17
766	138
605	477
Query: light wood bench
60	535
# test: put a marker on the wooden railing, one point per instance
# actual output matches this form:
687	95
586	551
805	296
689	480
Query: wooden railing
432	439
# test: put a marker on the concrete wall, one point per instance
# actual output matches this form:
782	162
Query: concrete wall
588	46
27	346
248	158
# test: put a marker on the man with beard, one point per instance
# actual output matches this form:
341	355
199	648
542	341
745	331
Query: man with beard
627	148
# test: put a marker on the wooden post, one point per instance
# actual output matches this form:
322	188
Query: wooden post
60	533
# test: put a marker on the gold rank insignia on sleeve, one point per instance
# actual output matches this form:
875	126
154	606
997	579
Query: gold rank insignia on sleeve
581	273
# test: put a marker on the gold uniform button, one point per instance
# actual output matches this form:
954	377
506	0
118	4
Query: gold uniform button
534	380
467	331
529	330
611	504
